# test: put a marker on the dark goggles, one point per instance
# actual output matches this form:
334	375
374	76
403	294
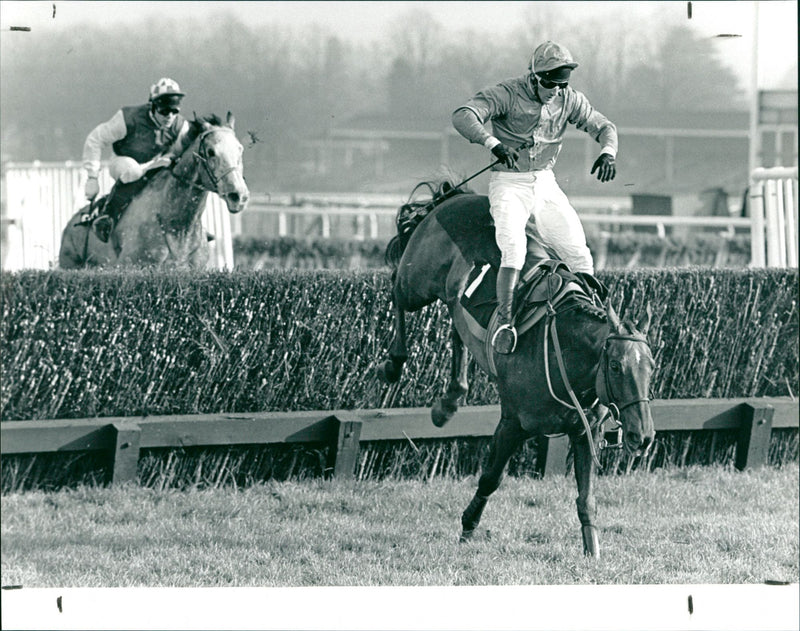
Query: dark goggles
549	85
165	110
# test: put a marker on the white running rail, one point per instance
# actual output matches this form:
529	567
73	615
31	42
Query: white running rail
773	210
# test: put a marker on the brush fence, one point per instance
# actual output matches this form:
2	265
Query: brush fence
344	430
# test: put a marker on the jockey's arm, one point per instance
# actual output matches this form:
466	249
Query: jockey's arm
608	139
466	122
588	119
104	135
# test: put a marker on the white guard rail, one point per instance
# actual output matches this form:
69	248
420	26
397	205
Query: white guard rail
773	209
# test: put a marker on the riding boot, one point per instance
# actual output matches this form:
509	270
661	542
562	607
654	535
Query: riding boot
102	227
504	340
104	223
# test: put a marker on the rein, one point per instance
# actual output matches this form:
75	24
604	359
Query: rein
606	397
576	405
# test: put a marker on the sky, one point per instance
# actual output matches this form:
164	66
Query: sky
364	21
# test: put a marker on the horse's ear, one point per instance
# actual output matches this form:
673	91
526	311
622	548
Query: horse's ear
643	325
231	120
613	318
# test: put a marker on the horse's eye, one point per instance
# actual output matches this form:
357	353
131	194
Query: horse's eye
211	153
615	366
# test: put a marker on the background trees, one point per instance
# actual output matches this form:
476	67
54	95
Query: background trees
288	86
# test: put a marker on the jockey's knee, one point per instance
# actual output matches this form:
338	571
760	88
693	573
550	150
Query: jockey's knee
512	257
579	259
125	169
513	246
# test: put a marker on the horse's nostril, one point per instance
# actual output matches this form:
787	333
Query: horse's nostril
234	197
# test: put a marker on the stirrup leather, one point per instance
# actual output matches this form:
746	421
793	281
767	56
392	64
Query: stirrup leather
504	327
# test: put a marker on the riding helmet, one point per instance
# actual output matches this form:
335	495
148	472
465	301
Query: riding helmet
551	56
165	87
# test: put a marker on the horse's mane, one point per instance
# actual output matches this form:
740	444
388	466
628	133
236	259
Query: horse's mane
410	214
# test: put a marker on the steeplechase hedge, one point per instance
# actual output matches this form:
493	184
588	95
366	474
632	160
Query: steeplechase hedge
126	343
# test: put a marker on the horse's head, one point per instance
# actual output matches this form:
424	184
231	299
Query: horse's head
623	379
220	154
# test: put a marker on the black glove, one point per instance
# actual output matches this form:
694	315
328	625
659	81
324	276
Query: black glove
606	168
507	155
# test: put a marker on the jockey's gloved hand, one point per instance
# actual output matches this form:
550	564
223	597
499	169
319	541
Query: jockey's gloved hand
506	154
606	168
91	188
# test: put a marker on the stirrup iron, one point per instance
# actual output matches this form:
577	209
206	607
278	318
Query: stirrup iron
504	327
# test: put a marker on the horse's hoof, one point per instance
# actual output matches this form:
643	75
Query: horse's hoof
441	414
466	536
388	372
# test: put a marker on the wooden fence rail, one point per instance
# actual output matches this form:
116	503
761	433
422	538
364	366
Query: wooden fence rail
345	430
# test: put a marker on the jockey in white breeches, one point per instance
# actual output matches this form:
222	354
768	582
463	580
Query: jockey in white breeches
529	116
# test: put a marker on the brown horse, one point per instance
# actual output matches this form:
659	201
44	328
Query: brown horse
602	357
162	225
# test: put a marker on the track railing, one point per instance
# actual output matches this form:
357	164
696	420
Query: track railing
344	430
773	204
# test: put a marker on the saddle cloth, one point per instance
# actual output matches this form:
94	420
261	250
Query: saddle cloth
544	286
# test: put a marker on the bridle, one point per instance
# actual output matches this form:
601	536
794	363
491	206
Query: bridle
205	160
605	397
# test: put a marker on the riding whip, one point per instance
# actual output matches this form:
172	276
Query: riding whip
452	191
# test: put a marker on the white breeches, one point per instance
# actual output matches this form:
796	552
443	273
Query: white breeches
516	198
125	169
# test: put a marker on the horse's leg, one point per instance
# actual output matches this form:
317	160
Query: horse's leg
444	408
587	509
508	436
389	371
72	253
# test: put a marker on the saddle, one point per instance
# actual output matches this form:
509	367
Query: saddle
544	289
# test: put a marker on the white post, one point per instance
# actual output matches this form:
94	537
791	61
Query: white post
790	204
771	220
757	244
780	209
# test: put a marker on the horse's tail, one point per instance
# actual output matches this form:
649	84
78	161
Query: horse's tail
411	214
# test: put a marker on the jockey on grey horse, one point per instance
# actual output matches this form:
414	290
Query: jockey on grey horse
142	137
529	116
